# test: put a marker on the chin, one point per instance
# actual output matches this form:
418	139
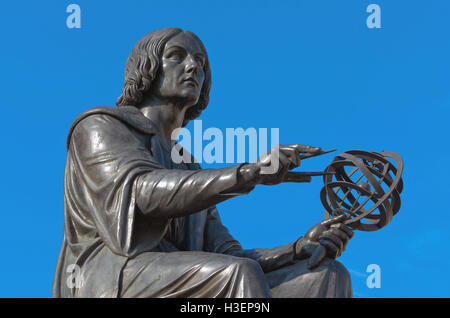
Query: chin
189	98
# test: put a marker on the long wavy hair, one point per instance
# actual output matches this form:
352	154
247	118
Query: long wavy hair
142	67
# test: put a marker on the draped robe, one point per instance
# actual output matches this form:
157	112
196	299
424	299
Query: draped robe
139	225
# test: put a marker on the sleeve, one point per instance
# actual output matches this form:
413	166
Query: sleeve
175	193
219	240
115	179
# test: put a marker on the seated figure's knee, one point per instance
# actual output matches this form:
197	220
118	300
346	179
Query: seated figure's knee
336	267
248	267
252	276
329	279
341	279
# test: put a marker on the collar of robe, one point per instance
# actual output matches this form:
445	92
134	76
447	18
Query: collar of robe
130	115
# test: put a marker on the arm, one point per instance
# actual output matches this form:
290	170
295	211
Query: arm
112	178
175	193
111	153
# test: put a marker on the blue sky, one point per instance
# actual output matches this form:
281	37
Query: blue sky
310	68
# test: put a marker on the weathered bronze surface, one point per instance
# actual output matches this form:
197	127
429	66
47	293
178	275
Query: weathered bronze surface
137	224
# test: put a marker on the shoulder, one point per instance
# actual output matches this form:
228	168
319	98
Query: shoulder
101	134
99	123
109	122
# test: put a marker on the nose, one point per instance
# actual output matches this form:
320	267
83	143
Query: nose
191	65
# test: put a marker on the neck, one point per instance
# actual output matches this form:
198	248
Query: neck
167	116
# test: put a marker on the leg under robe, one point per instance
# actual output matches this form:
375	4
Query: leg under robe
203	274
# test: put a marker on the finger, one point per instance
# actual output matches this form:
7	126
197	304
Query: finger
343	228
304	148
337	219
336	240
332	249
339	233
292	156
285	166
317	256
291	147
284	161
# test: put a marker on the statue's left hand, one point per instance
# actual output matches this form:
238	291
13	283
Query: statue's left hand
327	238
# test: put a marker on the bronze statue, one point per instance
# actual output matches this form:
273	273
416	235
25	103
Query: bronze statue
139	225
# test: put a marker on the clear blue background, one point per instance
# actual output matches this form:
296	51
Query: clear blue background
311	68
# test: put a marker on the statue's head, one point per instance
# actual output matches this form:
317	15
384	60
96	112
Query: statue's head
171	63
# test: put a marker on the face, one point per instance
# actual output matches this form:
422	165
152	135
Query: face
181	73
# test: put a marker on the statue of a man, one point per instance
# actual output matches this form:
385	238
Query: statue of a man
137	224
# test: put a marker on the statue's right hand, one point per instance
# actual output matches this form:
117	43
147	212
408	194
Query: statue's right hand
275	163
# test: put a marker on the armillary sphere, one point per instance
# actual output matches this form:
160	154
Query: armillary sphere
364	185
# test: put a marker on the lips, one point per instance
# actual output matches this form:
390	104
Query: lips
191	80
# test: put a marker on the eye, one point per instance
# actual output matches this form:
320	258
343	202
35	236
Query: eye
200	60
176	55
